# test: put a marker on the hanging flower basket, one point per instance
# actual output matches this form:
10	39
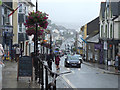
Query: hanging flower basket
38	18
32	30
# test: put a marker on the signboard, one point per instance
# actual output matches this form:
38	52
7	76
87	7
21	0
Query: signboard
25	67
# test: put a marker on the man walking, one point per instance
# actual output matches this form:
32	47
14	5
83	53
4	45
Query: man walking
50	58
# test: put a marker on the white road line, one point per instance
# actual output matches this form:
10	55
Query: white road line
68	82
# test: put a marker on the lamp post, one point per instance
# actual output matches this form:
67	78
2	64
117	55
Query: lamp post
36	39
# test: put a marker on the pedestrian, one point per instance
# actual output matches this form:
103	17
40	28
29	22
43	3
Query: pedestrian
57	61
18	52
1	53
116	63
13	54
50	59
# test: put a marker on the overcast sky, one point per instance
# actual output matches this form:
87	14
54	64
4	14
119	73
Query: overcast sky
70	13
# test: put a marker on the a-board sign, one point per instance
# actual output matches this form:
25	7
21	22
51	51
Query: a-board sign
25	67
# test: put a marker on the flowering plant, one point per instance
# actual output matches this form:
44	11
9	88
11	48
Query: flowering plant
34	18
32	30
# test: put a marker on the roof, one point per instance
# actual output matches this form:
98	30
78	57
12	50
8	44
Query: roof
115	7
93	26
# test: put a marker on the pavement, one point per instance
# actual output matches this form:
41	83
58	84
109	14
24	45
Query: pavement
103	67
9	74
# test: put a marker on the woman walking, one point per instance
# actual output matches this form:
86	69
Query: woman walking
57	61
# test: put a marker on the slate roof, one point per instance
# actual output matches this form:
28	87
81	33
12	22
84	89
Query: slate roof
93	26
115	7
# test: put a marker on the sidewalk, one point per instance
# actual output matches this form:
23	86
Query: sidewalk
104	68
9	78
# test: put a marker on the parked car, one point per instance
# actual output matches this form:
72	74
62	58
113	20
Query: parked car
73	61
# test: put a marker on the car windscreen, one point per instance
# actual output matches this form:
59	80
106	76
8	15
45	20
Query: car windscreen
73	58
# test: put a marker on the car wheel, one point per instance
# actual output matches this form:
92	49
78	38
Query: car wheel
79	66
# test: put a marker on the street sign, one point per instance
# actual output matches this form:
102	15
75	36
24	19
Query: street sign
0	2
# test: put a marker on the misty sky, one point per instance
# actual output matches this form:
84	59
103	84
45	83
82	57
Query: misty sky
70	13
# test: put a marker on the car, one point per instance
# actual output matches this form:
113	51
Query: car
73	61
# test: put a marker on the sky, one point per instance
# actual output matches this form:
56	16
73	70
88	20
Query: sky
70	13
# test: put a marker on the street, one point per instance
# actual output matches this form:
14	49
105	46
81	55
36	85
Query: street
88	77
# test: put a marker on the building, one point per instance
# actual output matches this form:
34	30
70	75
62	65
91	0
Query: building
23	40
6	27
110	29
92	53
83	33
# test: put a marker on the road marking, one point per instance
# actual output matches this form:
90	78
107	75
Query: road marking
68	82
70	70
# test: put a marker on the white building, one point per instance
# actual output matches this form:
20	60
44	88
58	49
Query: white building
110	28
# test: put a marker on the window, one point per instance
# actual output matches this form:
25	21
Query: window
111	31
20	8
102	31
106	31
20	27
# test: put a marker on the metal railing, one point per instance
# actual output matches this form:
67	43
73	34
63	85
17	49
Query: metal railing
44	76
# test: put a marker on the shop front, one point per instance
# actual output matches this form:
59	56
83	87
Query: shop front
7	40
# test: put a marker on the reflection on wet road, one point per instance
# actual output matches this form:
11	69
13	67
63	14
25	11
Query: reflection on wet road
88	77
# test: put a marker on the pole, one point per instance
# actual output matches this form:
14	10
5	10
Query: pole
46	78
36	30
50	43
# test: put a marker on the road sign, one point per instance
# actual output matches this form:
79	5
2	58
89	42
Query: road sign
0	2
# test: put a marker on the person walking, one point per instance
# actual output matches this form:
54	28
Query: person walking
1	53
18	52
50	59
13	54
116	63
57	61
